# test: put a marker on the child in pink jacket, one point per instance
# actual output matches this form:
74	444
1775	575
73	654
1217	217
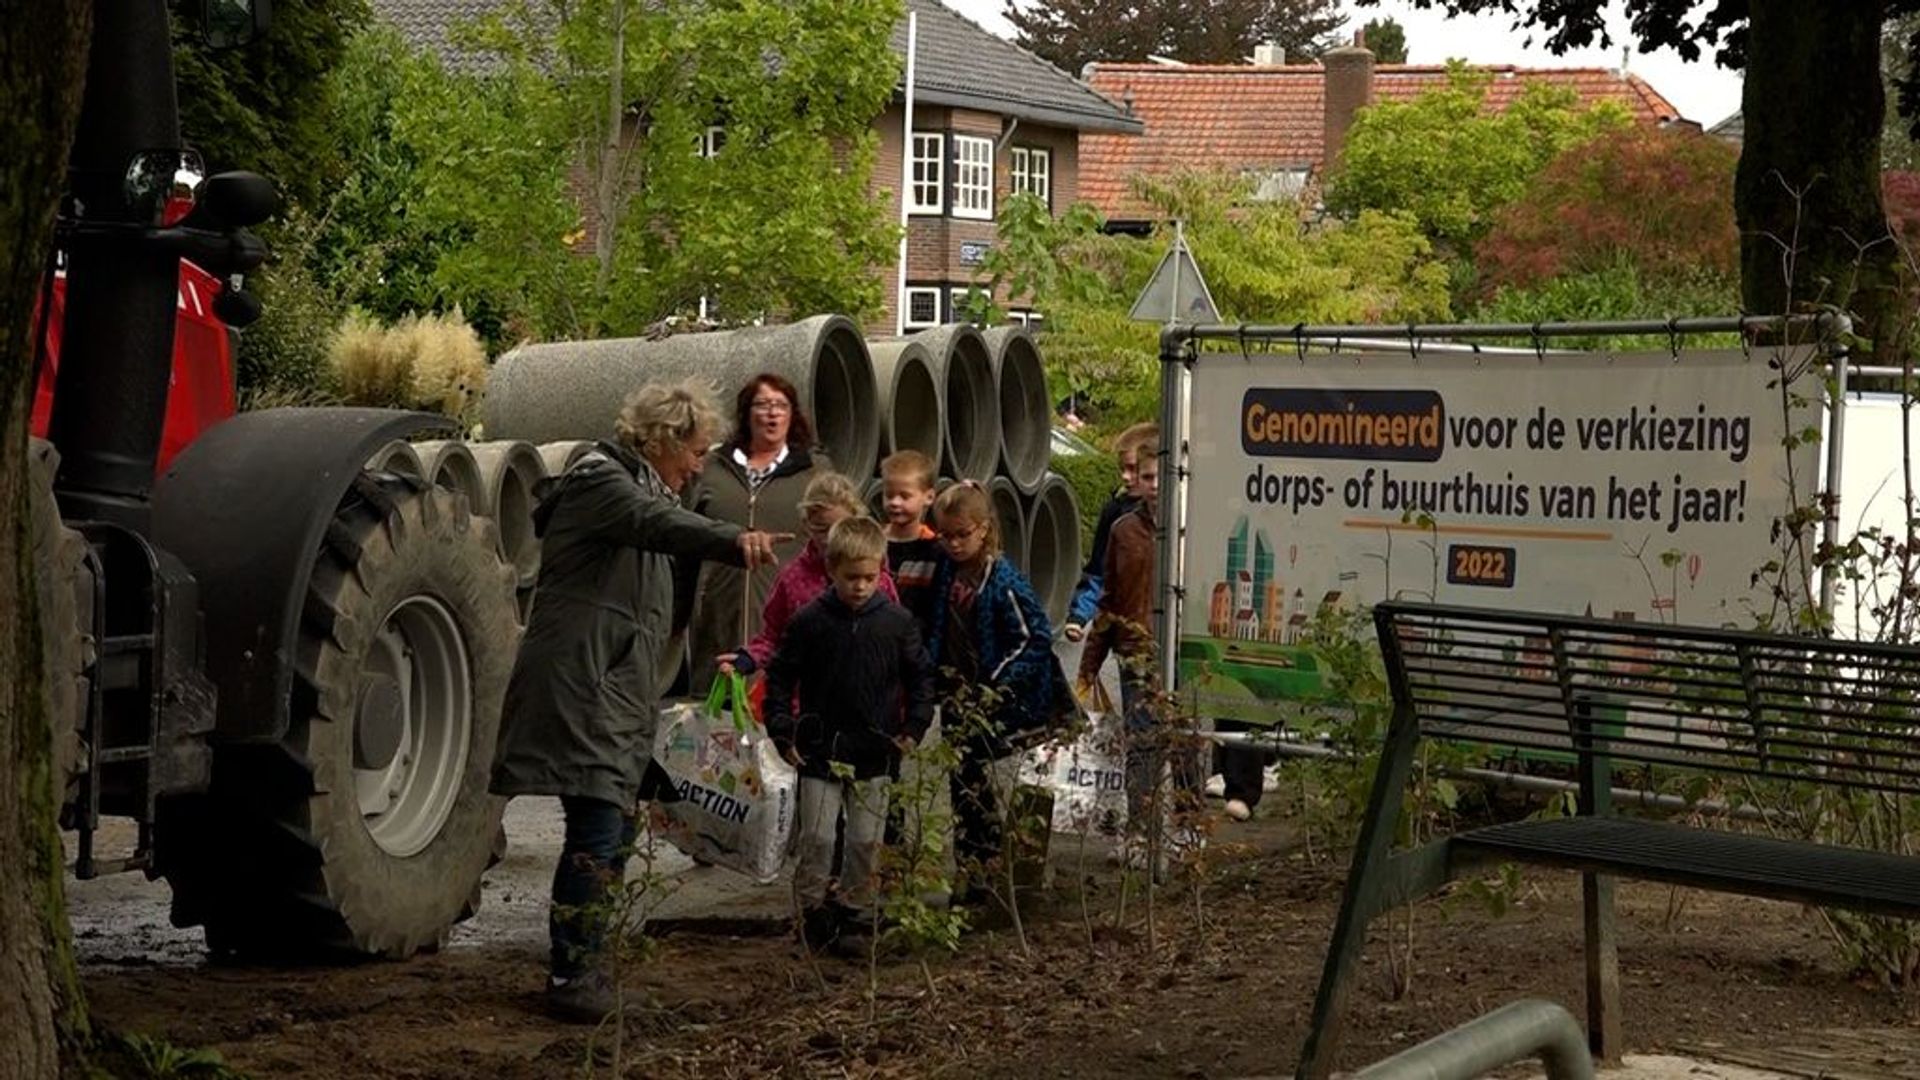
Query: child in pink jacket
828	500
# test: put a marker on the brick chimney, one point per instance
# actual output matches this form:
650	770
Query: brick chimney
1349	89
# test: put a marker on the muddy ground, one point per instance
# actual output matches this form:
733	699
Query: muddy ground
1223	989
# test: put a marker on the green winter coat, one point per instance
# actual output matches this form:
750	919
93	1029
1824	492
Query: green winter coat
721	493
580	707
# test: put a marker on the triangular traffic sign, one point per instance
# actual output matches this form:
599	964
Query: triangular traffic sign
1176	293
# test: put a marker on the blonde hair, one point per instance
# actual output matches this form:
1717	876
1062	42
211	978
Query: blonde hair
853	540
831	491
909	465
968	500
657	418
1130	440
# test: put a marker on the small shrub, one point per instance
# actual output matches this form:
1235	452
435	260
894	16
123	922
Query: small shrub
1660	201
286	350
433	362
1094	478
364	366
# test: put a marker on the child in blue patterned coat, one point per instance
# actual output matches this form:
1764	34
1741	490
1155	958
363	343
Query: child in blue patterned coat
988	632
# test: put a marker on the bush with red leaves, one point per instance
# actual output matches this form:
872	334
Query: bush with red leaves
1659	200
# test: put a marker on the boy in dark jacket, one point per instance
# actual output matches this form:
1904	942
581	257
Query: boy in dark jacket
1086	595
851	657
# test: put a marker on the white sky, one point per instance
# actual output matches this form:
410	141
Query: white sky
1701	91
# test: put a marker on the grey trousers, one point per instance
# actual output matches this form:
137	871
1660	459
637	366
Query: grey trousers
821	803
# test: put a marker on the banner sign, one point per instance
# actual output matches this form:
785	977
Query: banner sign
1631	486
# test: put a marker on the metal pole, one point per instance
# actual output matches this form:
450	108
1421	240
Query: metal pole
1508	1034
1834	339
906	176
1173	482
1237	332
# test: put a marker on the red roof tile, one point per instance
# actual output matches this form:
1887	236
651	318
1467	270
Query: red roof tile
1252	117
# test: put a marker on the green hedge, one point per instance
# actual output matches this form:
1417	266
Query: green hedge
1093	478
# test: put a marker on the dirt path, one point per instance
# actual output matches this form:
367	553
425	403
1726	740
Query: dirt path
1226	992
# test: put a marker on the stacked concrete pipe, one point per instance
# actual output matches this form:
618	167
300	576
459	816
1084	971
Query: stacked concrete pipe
1011	518
400	458
509	472
449	464
1053	544
558	456
963	368
572	390
912	399
1026	426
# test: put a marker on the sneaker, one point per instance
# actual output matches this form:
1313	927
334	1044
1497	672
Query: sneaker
1238	810
584	999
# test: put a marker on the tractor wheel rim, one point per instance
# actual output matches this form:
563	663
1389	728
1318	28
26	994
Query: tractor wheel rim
405	802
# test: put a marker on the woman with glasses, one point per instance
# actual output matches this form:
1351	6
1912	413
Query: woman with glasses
755	480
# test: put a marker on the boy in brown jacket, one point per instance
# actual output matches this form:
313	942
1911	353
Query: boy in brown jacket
1125	618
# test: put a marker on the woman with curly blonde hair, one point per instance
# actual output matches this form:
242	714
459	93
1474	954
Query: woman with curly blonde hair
579	711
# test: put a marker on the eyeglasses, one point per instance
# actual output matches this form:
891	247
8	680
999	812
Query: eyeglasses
774	407
953	536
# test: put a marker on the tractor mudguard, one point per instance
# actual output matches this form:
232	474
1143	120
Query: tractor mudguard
245	508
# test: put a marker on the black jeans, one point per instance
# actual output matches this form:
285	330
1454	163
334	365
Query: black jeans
1243	767
592	860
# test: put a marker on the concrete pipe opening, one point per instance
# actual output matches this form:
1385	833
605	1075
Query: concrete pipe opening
1026	424
911	416
449	465
558	457
1011	519
874	494
964	366
508	472
399	458
1053	544
572	390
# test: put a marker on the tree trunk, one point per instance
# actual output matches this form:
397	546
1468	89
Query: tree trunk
42	1016
1812	226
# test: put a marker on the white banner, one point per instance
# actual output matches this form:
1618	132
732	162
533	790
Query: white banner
1633	486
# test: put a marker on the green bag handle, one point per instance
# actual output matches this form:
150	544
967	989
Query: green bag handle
729	694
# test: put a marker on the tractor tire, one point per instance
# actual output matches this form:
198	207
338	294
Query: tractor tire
66	609
367	828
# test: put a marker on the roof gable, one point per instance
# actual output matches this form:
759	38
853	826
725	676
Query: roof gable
961	64
1273	118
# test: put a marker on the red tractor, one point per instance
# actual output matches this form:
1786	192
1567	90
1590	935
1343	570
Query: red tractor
285	667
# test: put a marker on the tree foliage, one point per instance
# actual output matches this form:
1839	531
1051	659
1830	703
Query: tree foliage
478	187
1074	33
1450	162
1387	39
1260	264
1657	200
265	107
1807	191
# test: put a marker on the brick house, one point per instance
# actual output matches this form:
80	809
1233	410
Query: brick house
1284	122
989	119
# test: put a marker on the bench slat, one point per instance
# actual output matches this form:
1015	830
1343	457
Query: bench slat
1725	861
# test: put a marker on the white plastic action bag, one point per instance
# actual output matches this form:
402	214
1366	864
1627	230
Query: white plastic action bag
1087	774
736	794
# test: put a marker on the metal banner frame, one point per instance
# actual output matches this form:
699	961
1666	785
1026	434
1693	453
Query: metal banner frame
1183	347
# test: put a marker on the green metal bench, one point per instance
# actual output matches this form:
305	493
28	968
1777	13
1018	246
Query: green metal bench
1638	705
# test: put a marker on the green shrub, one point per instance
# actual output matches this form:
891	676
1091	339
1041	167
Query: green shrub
1615	293
286	351
1093	477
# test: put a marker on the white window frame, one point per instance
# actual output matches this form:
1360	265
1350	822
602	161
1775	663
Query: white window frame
707	144
1030	169
906	307
1030	319
972	177
957	302
928	174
